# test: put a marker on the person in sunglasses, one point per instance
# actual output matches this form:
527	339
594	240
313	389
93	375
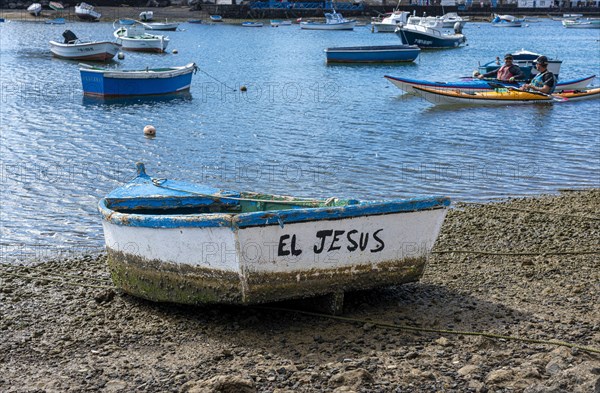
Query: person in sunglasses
509	72
545	81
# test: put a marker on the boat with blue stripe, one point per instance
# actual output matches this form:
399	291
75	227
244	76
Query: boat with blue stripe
104	82
372	54
172	241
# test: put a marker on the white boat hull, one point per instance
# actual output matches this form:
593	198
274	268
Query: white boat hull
96	51
266	263
141	42
328	26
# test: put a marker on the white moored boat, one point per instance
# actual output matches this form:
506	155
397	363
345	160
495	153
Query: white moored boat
165	26
35	9
333	21
86	12
74	49
134	38
391	22
178	242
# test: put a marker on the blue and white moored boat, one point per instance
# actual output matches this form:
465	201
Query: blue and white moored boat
252	24
104	82
525	60
506	21
372	54
216	18
428	33
171	241
473	85
333	21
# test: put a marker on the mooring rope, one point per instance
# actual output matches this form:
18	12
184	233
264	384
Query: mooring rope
500	253
353	320
500	206
430	330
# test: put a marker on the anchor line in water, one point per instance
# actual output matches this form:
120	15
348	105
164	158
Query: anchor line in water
210	76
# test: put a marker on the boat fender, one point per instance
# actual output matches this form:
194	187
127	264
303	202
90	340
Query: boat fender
457	28
149	130
120	55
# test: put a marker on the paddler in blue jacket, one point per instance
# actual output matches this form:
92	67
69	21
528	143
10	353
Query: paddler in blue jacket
544	81
509	72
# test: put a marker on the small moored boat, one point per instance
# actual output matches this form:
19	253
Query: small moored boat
390	22
428	33
35	9
56	6
277	22
134	38
372	54
252	24
146	16
56	21
85	11
333	21
165	26
502	96
102	82
581	23
506	21
74	49
216	18
525	60
473	85
171	241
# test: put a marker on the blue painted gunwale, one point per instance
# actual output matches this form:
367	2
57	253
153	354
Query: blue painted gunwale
110	83
475	84
142	192
372	54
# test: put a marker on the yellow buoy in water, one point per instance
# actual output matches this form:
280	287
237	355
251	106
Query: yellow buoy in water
149	130
243	88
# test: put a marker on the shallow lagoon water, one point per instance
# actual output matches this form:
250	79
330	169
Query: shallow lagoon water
303	127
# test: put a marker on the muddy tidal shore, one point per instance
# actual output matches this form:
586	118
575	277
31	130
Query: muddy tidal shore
527	268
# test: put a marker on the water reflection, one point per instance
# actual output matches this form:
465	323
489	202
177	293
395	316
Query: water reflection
146	101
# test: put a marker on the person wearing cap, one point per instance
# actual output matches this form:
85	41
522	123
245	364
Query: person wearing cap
509	72
545	81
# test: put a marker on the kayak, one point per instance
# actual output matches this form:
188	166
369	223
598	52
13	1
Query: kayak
502	96
474	85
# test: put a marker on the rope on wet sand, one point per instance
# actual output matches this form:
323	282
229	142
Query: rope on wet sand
346	319
525	253
430	330
503	207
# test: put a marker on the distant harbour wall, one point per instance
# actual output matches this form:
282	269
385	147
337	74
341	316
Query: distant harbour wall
478	11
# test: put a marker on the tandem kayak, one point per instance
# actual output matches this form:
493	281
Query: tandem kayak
502	96
470	86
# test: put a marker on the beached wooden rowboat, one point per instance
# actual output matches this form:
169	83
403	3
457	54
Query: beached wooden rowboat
172	241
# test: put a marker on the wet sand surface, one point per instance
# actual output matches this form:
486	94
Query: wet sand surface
526	268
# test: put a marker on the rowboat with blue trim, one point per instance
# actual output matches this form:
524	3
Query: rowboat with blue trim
502	96
372	54
472	85
333	21
102	82
172	241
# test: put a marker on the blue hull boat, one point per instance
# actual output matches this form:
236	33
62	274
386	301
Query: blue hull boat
103	82
372	54
474	85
